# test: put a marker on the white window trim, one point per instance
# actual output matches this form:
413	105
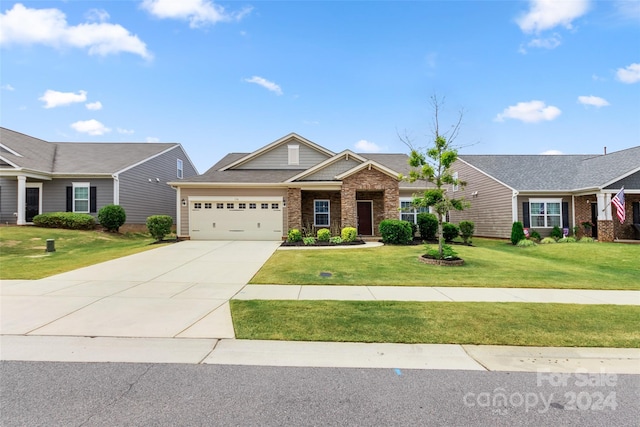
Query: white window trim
328	213
293	154
179	169
73	195
455	186
414	212
546	214
37	185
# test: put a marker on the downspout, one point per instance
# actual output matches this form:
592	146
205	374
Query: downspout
116	189
514	206
178	208
573	210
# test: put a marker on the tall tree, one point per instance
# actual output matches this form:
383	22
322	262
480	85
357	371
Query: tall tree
433	165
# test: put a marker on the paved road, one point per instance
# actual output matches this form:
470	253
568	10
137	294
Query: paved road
108	394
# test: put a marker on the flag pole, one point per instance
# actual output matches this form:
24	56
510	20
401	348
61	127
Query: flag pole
609	204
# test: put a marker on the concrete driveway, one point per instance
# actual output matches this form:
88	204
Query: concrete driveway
178	290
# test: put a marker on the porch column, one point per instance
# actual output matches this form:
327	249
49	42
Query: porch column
294	208
605	221
22	200
348	207
392	203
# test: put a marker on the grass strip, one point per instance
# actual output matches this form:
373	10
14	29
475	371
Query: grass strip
521	324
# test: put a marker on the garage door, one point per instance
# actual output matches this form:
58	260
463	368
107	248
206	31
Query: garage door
235	218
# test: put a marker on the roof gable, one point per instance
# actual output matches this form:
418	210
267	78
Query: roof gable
274	155
369	164
330	168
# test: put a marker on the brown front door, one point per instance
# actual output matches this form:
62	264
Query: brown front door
365	218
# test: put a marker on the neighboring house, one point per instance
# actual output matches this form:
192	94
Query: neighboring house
293	183
37	176
543	191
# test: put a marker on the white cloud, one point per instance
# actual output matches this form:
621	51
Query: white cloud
7	87
265	84
595	101
198	12
551	42
152	139
53	98
551	152
367	146
629	74
91	127
529	112
547	14
125	131
49	27
628	9
97	15
94	106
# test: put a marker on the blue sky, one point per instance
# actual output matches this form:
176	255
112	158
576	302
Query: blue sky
540	76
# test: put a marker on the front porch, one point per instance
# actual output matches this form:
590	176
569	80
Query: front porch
596	209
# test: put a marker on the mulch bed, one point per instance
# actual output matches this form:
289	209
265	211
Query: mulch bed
356	242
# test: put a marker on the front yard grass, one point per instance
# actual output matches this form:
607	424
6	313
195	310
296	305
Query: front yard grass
521	324
489	263
23	256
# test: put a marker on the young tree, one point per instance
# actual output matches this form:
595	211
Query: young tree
433	165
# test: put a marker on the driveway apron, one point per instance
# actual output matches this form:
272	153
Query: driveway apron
178	290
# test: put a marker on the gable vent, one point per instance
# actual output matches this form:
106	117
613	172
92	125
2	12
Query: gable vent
294	154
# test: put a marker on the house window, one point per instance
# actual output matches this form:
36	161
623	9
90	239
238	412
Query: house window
275	205
219	205
197	205
207	205
179	169
545	213
252	205
81	197
294	154
230	205
264	206
455	177
409	212
242	206
321	213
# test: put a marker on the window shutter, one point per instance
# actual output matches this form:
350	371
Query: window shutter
69	199
636	212
565	214
93	199
526	223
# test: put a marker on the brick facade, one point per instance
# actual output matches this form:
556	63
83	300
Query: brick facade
294	207
307	208
583	213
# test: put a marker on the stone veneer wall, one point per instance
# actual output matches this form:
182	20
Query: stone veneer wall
294	208
583	213
307	206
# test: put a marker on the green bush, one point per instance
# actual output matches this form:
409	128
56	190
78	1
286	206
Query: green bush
349	234
159	226
524	243
68	220
324	235
309	240
547	240
586	240
447	252
337	240
395	231
556	233
294	235
449	231
427	226
466	230
112	217
517	232
535	236
567	240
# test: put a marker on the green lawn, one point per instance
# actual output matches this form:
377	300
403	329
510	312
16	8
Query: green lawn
23	255
522	324
489	263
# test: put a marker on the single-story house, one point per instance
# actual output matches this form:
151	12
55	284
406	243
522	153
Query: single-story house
37	176
543	191
293	183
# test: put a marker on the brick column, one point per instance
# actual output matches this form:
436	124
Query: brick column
392	203
294	208
605	230
348	206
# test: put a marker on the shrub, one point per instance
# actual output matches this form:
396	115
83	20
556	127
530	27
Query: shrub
309	240
517	232
427	225
524	243
68	220
324	235
447	252
349	234
395	231
159	226
414	229
294	235
112	217
337	240
556	233
449	231
586	240
567	240
466	230
535	236
547	240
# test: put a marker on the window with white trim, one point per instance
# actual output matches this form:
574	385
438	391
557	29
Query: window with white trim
180	170
409	212
321	215
81	197
545	213
455	177
294	154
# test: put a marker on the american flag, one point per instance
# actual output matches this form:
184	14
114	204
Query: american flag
618	202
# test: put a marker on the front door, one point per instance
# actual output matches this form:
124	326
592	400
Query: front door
365	218
594	220
33	203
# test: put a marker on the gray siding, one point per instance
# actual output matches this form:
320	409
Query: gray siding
54	193
278	158
630	182
8	200
490	210
142	198
329	173
545	232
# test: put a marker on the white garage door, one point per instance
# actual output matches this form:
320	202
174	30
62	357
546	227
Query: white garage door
235	218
